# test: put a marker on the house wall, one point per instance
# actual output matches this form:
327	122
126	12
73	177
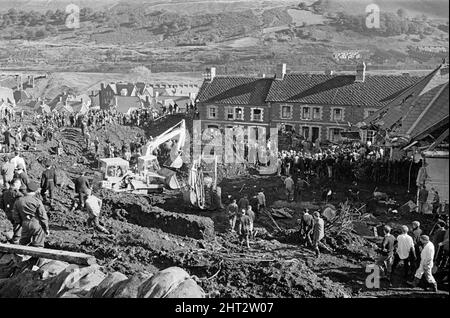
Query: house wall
324	122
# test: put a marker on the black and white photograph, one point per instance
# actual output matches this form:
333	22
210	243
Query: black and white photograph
222	156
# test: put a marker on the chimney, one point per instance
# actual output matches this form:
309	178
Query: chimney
147	99
360	72
281	71
210	74
102	86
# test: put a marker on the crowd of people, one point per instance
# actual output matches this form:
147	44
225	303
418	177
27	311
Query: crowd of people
350	163
421	255
23	203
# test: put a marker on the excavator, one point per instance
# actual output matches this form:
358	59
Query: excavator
200	191
149	176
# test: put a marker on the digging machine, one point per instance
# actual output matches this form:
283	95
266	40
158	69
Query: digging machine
149	176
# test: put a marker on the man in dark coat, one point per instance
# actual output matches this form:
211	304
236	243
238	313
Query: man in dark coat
81	187
48	182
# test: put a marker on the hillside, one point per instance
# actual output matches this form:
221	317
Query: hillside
237	36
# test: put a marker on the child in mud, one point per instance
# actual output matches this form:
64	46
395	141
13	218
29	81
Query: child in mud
245	226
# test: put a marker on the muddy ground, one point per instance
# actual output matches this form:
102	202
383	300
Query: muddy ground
275	265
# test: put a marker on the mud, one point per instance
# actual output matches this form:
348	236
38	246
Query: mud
152	233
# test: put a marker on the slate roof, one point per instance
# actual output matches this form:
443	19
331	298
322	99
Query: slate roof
375	91
235	90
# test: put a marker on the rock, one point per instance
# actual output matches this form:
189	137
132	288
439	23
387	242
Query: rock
162	283
106	284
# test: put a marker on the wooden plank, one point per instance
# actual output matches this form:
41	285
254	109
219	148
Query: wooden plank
65	256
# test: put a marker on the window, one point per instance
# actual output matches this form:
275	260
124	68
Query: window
370	136
306	114
337	114
335	134
305	132
317	113
286	112
230	113
239	113
369	112
257	114
212	112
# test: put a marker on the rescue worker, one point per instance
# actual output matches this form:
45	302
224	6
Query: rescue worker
94	207
306	226
48	182
10	197
7	171
232	214
422	199
245	229
21	174
29	212
81	187
405	252
386	258
415	234
426	264
289	185
17	161
251	215
318	232
435	201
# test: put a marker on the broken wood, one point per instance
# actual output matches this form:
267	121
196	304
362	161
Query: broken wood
64	256
273	220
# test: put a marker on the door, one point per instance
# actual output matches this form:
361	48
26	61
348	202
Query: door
315	134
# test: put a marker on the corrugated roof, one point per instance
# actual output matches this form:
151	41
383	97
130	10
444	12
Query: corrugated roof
375	91
432	115
235	90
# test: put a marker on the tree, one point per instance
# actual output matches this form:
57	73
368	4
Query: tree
401	13
303	6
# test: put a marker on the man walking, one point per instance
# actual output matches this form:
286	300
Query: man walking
289	184
81	187
232	214
415	234
387	252
29	212
306	226
435	201
405	252
426	264
48	182
423	197
94	207
318	232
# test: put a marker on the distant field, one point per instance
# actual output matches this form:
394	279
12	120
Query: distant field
432	8
300	16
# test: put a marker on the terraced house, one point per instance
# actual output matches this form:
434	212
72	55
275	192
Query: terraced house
318	106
